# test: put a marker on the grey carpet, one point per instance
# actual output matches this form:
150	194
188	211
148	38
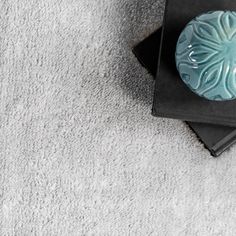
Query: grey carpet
80	153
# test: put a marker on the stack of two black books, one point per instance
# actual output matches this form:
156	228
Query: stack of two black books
213	122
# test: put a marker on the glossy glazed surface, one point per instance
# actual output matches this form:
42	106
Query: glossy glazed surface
206	55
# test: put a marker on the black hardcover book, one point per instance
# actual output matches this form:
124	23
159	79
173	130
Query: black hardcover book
215	137
172	98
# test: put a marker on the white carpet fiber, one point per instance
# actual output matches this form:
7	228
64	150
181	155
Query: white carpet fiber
80	153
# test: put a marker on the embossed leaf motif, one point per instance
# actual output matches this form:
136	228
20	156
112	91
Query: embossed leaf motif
184	40
228	25
210	34
210	79
205	55
200	55
185	75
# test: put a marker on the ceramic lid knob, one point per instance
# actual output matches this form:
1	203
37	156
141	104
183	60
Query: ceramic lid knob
206	55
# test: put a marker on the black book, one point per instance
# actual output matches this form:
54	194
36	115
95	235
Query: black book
215	137
172	98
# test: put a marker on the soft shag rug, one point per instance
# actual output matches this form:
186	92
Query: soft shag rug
80	153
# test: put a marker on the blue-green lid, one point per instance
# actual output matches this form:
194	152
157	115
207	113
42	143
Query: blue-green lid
206	55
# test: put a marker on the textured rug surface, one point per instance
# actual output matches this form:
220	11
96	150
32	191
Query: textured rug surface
80	153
